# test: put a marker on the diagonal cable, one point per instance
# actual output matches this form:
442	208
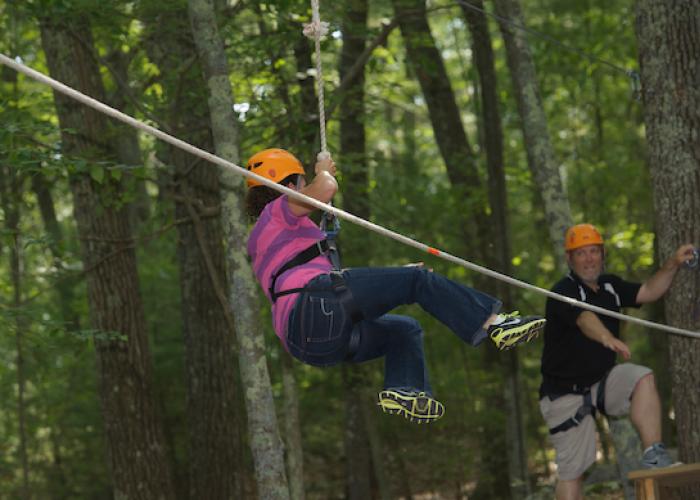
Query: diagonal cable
118	115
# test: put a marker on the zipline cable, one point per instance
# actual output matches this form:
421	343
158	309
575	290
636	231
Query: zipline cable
133	122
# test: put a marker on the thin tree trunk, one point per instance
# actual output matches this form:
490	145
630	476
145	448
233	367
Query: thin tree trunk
292	430
308	104
265	442
10	193
540	153
358	466
353	163
499	242
214	464
427	64
64	287
137	450
376	445
668	33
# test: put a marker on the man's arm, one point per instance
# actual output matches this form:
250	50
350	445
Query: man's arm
594	329
658	284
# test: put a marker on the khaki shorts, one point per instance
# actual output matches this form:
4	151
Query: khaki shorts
576	447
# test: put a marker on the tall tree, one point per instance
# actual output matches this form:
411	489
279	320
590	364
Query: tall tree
460	160
491	141
540	153
213	434
668	34
11	187
265	441
356	200
546	173
137	450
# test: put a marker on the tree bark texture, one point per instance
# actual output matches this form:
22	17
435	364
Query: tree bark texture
668	33
294	450
10	200
266	445
499	241
213	421
353	163
138	455
540	153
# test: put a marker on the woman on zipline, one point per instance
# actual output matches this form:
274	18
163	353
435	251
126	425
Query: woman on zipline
324	316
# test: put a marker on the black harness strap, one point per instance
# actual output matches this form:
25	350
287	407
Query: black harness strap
583	411
587	408
302	257
341	290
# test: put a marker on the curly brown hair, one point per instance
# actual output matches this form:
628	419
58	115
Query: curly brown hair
259	196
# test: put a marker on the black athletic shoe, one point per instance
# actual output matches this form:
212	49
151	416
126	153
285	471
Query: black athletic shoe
512	329
417	407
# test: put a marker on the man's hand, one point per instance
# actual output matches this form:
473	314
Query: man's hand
618	346
653	288
685	253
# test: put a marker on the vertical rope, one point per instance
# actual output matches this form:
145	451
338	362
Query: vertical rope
316	29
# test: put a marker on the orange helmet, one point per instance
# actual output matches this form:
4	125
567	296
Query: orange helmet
581	235
274	164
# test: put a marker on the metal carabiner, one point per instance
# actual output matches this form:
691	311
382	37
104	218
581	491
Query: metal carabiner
693	263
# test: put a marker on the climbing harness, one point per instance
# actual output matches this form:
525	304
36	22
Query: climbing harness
553	391
330	226
205	155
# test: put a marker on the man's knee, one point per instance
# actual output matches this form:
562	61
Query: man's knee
645	385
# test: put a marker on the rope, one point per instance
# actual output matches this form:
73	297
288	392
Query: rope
317	29
118	115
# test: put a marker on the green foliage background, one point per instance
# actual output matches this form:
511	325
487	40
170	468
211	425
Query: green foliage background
596	128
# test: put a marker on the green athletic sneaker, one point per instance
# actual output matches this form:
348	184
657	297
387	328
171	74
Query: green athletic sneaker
512	329
414	406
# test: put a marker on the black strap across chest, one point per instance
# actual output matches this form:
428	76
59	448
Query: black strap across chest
318	248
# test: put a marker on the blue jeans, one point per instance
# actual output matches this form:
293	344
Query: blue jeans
320	329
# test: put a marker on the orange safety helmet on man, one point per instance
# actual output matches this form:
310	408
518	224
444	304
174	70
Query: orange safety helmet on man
581	235
274	164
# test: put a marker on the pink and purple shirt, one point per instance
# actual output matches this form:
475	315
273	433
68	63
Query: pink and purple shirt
276	238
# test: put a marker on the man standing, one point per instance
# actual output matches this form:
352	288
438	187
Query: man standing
579	374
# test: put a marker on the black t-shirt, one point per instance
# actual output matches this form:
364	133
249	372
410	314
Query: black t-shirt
569	357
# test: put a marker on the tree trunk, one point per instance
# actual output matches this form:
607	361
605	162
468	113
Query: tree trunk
353	163
64	285
358	466
427	64
668	33
292	429
540	154
10	196
499	241
214	464
265	442
137	450
308	128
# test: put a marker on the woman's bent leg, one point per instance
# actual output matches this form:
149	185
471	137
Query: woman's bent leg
462	309
400	340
